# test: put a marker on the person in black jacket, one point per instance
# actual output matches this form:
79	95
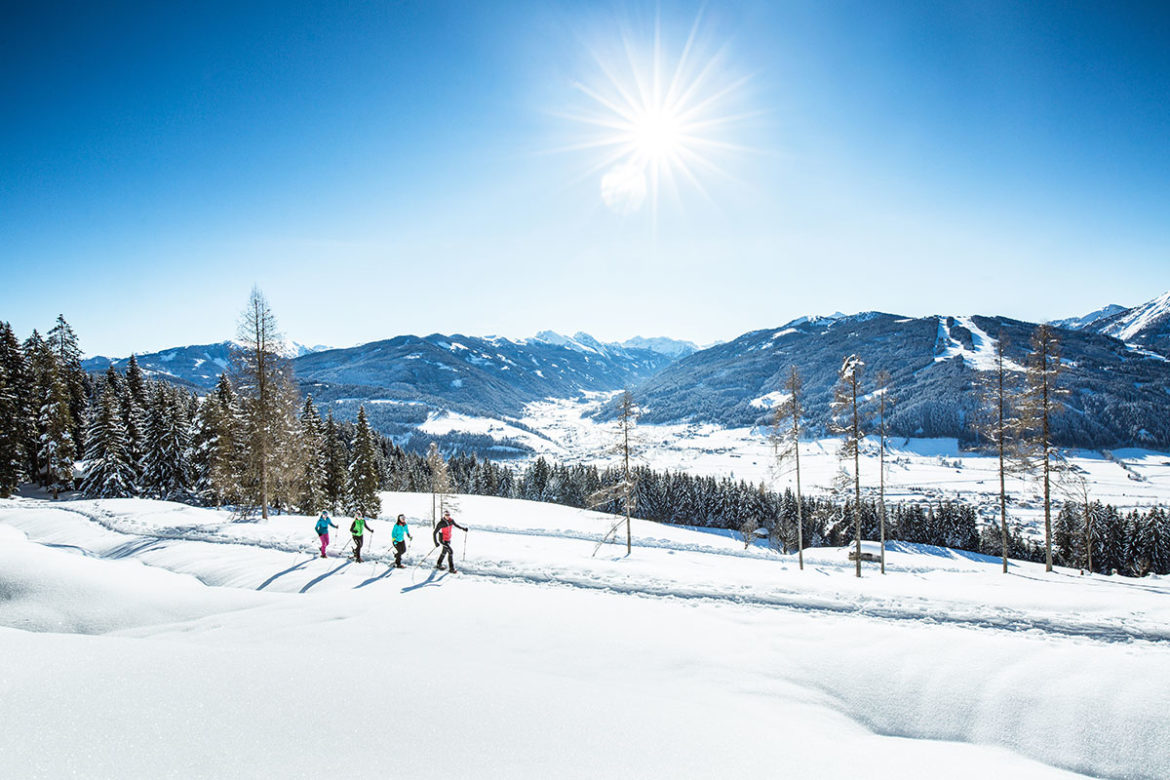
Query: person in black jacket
442	536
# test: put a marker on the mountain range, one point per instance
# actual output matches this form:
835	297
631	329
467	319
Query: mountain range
1116	366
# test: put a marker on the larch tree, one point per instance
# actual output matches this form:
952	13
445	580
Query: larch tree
846	422
1038	406
442	491
787	424
885	402
997	425
261	372
624	491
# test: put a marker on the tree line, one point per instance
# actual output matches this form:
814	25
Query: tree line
253	445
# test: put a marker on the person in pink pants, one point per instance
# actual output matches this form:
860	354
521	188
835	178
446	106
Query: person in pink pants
323	525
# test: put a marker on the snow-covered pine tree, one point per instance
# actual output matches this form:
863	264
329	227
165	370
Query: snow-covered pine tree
16	424
108	472
787	424
11	435
224	443
200	439
364	500
312	484
336	466
166	473
63	342
1038	406
55	423
134	403
846	422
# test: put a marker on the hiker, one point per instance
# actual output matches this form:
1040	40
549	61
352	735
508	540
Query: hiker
323	526
358	528
399	536
443	533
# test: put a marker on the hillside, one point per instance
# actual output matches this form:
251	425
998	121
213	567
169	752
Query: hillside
1117	392
172	628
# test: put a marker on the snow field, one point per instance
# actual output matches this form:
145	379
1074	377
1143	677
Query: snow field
228	649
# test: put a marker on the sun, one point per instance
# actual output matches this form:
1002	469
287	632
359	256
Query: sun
660	119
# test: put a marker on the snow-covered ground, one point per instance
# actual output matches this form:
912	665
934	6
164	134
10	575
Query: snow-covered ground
146	639
916	468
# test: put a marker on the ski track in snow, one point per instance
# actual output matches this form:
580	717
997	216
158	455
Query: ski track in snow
998	618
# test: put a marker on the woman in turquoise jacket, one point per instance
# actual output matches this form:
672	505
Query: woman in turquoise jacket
400	534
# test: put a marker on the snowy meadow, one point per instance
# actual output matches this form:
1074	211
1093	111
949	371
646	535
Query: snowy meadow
161	639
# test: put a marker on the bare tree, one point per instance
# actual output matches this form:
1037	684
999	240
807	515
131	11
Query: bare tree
265	382
442	491
624	491
998	426
882	383
787	422
846	422
1040	403
748	529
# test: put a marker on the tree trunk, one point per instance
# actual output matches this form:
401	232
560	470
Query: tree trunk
856	476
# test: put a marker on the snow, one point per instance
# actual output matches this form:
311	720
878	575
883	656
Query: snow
1139	318
916	469
769	400
982	357
183	644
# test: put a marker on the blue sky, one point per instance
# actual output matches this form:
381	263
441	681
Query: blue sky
388	168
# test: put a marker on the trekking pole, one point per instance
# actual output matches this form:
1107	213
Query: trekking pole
464	547
417	566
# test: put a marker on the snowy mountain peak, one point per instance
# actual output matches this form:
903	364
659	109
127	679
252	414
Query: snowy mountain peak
662	345
1080	323
1149	319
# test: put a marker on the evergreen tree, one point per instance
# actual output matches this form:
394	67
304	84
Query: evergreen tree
336	466
16	424
57	449
224	443
363	484
315	465
11	434
166	473
62	341
134	403
108	471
